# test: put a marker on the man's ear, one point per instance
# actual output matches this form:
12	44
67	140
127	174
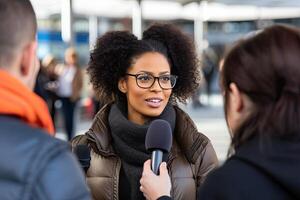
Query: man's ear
122	85
236	98
28	58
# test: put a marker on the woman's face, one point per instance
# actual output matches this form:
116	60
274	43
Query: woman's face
70	58
143	103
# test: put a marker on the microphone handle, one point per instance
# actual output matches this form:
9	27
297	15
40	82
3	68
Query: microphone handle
156	159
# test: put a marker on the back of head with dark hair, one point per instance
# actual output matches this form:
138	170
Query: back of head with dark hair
266	67
18	26
116	51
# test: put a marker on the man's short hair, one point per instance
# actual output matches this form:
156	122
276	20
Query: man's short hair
18	26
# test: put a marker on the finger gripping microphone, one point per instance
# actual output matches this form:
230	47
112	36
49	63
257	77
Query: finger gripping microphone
84	156
158	141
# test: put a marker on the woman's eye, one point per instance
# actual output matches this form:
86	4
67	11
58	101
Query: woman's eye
165	78
144	77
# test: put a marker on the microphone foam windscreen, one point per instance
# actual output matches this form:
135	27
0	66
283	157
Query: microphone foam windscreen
159	136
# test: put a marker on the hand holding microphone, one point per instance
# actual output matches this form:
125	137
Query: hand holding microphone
155	181
154	186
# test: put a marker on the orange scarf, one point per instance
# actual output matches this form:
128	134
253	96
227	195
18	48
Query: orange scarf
16	99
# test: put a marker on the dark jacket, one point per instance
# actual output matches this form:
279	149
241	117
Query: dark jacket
35	166
191	158
267	170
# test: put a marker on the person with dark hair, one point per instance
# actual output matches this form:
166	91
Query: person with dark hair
208	67
41	81
49	64
46	83
32	162
142	80
260	80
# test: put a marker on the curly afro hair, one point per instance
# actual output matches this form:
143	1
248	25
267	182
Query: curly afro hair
116	51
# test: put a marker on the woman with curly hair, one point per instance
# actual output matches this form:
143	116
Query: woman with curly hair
260	79
142	80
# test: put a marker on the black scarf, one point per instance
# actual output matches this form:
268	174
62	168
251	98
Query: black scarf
129	144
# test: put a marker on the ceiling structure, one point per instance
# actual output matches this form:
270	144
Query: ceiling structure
264	3
198	11
217	10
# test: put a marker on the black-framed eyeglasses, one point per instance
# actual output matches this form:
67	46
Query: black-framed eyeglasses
146	81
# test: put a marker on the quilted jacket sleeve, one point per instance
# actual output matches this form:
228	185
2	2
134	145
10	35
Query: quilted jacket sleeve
207	162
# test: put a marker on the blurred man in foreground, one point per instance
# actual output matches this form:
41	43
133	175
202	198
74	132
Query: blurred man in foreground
33	165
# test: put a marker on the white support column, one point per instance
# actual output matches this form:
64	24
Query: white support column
103	25
67	31
199	20
137	19
93	30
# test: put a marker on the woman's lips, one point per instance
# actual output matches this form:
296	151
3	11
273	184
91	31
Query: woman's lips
154	102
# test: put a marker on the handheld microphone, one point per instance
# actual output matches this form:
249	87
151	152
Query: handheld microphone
158	141
84	156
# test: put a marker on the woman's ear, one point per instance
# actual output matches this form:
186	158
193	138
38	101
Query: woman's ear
239	108
122	85
236	99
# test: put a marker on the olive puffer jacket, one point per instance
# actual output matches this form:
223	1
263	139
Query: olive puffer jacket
191	158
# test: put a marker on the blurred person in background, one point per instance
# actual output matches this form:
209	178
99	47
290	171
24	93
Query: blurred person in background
70	82
208	67
47	84
143	80
32	162
41	81
49	64
260	80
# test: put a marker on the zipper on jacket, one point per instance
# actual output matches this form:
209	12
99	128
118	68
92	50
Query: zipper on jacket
116	180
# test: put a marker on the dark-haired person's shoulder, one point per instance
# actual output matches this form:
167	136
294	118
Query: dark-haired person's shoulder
233	180
219	184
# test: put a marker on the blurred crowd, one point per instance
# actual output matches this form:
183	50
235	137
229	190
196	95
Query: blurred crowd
61	86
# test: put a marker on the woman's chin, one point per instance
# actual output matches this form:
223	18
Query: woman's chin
154	113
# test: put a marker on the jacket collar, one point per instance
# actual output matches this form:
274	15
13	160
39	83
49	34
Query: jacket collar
187	139
100	134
